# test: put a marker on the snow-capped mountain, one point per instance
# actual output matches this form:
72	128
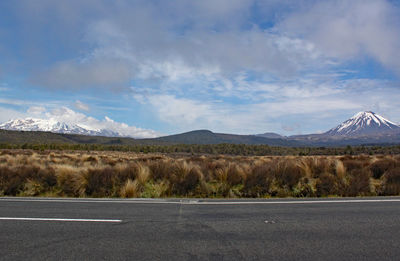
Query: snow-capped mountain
363	124
51	125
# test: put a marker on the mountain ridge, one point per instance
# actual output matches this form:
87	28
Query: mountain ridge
54	126
209	137
363	128
364	123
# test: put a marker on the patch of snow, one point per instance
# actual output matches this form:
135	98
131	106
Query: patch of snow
51	125
364	122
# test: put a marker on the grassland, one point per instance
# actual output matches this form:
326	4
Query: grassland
126	174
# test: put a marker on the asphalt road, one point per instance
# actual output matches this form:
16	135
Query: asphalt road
84	229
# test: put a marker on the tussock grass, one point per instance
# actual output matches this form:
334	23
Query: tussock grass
130	189
392	182
124	174
71	181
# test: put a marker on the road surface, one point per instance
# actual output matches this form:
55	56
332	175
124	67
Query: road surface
291	229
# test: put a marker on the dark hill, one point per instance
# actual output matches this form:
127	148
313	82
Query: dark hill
41	137
192	137
209	137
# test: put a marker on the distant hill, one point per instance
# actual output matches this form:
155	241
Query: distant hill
364	128
192	137
271	135
331	141
41	137
209	137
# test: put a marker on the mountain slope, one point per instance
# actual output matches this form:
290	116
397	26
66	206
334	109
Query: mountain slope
364	128
208	137
31	124
193	137
41	137
271	135
364	123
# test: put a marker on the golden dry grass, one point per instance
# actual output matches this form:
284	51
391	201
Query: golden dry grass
123	174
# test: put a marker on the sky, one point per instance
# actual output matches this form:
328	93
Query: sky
154	67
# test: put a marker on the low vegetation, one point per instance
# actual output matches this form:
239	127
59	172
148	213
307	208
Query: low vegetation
127	174
211	149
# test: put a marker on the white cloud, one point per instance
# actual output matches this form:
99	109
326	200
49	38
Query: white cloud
144	48
36	110
64	114
186	112
7	114
11	101
81	106
279	108
92	73
350	29
207	64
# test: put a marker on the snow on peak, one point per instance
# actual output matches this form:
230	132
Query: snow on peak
52	125
370	116
362	123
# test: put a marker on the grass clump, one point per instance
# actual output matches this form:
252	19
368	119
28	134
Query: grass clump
130	189
123	174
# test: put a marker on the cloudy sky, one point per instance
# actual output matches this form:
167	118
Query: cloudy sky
238	66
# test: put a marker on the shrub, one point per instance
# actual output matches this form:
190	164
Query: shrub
353	164
32	188
99	182
105	174
326	185
319	166
160	169
27	171
392	182
71	181
288	174
91	159
130	189
259	181
185	178
155	190
143	174
10	181
359	183
235	175
221	175
379	167
340	169
124	172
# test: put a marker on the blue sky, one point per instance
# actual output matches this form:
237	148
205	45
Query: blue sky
238	66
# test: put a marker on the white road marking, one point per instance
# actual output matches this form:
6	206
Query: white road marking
62	219
269	222
300	202
199	202
147	201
